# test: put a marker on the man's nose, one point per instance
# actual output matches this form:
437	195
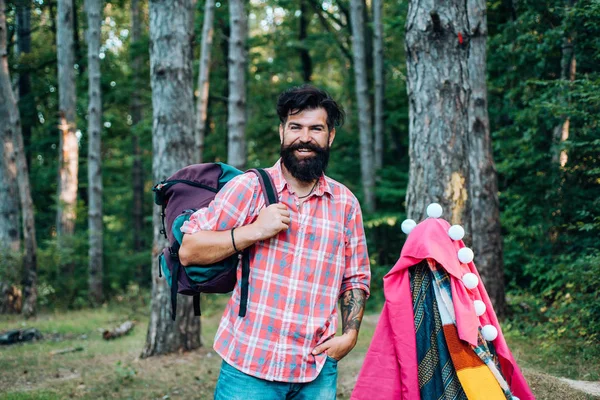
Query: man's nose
305	137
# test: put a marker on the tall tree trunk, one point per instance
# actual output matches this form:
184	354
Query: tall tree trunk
367	166
95	226
203	76
438	95
236	110
26	103
568	68
449	140
302	34
379	80
483	186
137	170
10	242
9	113
171	78
68	148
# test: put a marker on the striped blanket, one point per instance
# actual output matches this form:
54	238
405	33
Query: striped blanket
448	367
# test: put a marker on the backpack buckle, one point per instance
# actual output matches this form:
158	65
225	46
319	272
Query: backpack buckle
174	254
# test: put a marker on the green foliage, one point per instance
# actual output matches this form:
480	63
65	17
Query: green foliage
550	212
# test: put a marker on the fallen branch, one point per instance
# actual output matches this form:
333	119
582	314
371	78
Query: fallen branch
119	331
68	350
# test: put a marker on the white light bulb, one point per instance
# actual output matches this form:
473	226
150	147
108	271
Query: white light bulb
470	280
408	225
434	210
456	232
489	332
479	307
465	255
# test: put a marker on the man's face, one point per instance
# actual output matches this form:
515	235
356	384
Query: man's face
305	141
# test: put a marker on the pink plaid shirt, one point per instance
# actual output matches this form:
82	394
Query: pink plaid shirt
296	278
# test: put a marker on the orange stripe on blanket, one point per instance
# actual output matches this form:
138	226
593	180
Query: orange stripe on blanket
475	377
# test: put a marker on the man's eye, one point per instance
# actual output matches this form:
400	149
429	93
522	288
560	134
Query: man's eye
295	127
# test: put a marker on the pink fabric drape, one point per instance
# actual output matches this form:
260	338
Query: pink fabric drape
390	367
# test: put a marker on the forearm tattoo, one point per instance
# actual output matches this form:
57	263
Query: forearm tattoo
353	307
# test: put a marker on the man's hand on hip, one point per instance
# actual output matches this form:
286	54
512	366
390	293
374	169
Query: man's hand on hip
337	347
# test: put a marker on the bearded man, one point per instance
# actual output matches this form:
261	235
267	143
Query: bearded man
308	251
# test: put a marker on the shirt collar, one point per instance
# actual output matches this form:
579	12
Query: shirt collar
280	182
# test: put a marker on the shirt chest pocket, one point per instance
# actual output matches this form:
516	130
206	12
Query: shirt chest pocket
326	237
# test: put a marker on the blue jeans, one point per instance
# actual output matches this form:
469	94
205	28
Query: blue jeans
236	385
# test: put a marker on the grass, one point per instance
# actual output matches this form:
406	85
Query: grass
114	370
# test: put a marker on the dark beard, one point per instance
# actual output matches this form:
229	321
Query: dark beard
306	169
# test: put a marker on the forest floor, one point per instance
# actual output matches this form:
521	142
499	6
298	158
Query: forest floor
114	370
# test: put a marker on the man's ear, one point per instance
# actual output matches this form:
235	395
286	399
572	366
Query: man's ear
331	136
281	133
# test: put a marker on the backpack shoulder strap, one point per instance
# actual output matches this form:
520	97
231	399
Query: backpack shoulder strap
267	185
268	189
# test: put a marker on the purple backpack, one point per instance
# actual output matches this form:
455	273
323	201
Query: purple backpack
187	191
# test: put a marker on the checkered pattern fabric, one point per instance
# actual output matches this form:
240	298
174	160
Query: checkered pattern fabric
296	278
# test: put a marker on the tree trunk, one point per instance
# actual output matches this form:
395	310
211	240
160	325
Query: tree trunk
302	33
483	186
12	127
68	148
171	78
10	242
203	76
568	68
449	140
236	110
438	95
137	170
363	103
379	74
26	102
94	17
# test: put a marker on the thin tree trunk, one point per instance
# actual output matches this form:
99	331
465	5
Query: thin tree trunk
483	186
26	103
12	128
438	95
379	80
173	142
95	226
236	110
203	76
568	68
363	103
137	171
302	34
10	242
68	148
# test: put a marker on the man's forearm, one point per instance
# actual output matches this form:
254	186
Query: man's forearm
352	307
208	247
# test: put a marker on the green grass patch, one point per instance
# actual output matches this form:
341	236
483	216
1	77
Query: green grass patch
114	369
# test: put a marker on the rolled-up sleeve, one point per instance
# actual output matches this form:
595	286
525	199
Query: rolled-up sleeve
357	274
233	206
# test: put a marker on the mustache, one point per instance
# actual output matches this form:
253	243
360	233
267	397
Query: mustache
305	146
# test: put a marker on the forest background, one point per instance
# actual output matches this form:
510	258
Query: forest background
542	73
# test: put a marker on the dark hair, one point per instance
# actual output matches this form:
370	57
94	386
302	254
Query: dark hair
308	97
